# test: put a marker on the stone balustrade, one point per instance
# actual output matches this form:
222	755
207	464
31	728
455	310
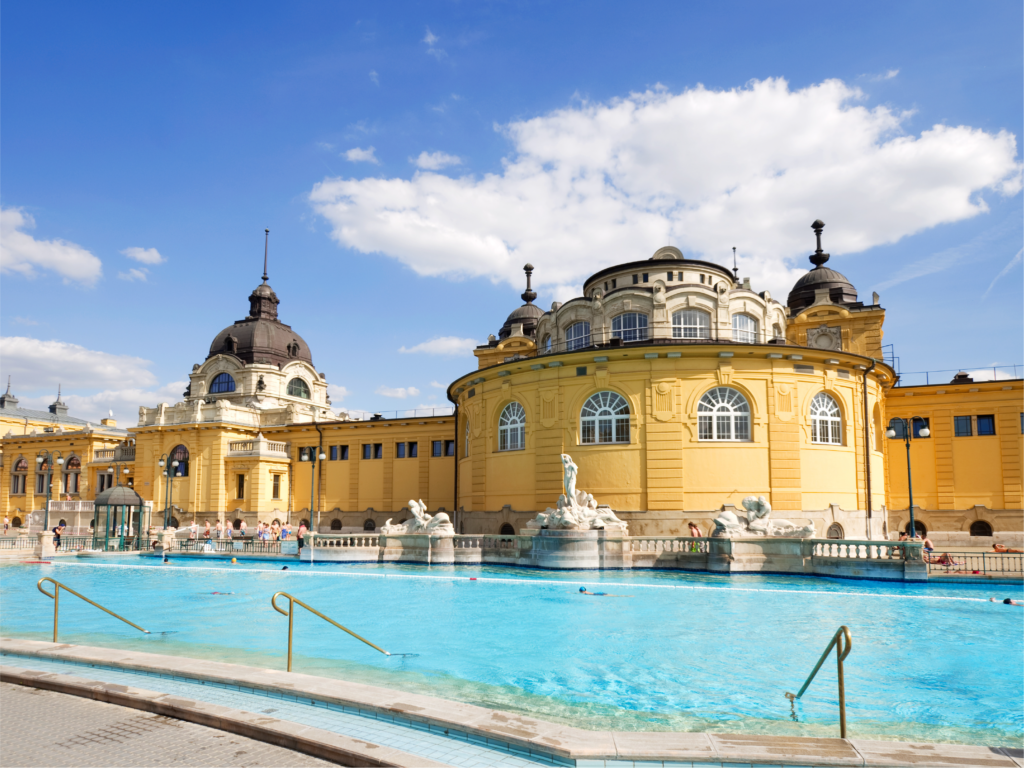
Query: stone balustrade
258	446
865	550
684	544
352	541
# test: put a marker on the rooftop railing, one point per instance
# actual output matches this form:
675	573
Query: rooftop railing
410	413
978	374
673	335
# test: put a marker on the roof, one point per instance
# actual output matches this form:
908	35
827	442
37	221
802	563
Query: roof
261	337
119	495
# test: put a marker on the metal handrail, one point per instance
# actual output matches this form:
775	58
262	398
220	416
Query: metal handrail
56	603
842	651
290	613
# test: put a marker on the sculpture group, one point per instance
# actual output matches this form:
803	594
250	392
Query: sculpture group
421	522
758	522
577	510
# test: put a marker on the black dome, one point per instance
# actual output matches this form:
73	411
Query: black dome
261	337
119	495
840	290
528	315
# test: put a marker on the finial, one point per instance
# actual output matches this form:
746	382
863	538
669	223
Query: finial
735	269
58	393
266	246
819	256
8	384
529	294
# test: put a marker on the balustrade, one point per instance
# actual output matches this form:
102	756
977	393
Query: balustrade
865	550
324	541
674	544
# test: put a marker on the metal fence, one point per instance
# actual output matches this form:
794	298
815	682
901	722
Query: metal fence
228	546
409	413
18	542
975	563
978	373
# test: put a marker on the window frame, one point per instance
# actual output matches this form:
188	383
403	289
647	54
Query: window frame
825	422
399	450
436	449
960	423
990	425
240	487
220	377
575	341
512	427
275	487
638	332
711	416
367	451
680	328
607	419
744	335
308	395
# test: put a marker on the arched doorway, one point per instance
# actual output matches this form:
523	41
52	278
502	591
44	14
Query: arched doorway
981	528
369	525
922	530
507	530
835	531
335	524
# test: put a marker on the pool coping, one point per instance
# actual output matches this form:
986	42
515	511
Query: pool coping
587	749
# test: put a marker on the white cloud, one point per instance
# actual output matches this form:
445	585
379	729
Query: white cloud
994	374
337	392
37	364
359	155
889	75
431	40
374	77
596	184
145	255
134	274
398	392
435	161
23	254
25	321
1012	263
438	385
443	345
123	402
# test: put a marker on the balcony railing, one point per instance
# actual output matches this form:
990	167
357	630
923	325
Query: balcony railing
257	447
118	453
672	335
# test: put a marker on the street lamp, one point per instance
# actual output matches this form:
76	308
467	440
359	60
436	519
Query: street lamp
310	455
907	429
169	472
48	457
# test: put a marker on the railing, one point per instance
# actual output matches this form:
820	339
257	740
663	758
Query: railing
57	587
411	413
251	546
866	550
121	453
672	335
975	562
290	614
75	543
325	540
71	506
980	373
685	544
507	542
843	642
254	446
18	542
101	454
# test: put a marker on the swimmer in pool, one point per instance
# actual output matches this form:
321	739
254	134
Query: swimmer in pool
285	568
1007	601
222	593
583	591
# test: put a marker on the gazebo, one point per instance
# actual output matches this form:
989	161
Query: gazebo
121	519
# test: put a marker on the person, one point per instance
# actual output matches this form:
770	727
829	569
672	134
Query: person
56	537
228	531
302	534
285	568
275	531
943	559
206	530
220	528
67	497
1007	601
584	591
193	530
1000	548
166	559
7	524
285	529
696	534
928	546
242	528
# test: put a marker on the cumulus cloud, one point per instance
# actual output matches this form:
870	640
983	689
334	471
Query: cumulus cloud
39	364
145	255
435	161
397	392
22	254
337	392
123	402
133	275
432	48
359	155
437	384
442	345
596	184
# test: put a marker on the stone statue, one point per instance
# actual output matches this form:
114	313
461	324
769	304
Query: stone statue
758	522
577	509
421	522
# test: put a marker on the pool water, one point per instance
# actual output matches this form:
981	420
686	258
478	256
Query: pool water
669	651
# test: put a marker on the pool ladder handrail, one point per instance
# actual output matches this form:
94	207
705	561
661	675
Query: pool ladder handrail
57	587
842	642
290	614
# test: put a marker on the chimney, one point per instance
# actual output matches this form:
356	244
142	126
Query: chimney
108	422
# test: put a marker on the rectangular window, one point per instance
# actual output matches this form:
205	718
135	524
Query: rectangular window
986	425
378	450
606	286
413	450
71	484
334	453
636	279
17	484
399	450
702	279
680	277
581	370
613	288
436	447
670	276
920	424
241	487
962	426
367	451
344	452
277	487
899	429
449	447
645	277
40	483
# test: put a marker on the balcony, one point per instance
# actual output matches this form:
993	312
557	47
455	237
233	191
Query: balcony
258	446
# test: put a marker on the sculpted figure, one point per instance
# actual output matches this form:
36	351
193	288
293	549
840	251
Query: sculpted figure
576	509
759	522
569	470
421	522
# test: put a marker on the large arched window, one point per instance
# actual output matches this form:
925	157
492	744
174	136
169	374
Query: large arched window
826	420
298	388
72	473
18	475
179	454
604	419
512	428
630	326
577	336
222	382
691	324
744	329
723	414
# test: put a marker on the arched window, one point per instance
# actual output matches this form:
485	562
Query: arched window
826	420
237	524
507	530
72	473
577	336
369	525
179	454
335	524
777	332
18	476
546	342
981	528
298	388
604	418
920	527
723	414
630	326
691	324
222	382
512	428
744	329
835	531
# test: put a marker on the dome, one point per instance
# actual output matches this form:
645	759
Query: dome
119	495
261	337
528	315
840	290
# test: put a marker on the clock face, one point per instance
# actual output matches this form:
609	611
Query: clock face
824	341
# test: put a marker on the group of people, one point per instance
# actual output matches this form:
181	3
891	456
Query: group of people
274	531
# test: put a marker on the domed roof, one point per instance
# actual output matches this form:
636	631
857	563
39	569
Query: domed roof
840	290
528	314
261	337
119	495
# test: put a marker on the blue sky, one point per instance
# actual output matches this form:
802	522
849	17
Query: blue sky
408	158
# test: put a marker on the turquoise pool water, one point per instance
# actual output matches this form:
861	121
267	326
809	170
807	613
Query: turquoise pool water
676	652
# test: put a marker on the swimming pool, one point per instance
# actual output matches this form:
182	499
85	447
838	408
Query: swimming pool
684	652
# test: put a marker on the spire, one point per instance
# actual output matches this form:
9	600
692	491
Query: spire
529	295
58	407
266	247
7	400
735	269
8	392
819	257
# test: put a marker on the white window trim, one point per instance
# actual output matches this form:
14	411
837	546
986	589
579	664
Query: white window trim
512	434
821	415
710	412
605	412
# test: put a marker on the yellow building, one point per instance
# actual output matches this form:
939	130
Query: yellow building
674	385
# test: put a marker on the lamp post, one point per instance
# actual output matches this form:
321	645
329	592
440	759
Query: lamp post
908	425
310	455
48	457
168	472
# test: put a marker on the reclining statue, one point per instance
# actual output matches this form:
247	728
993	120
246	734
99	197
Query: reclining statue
759	522
421	522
